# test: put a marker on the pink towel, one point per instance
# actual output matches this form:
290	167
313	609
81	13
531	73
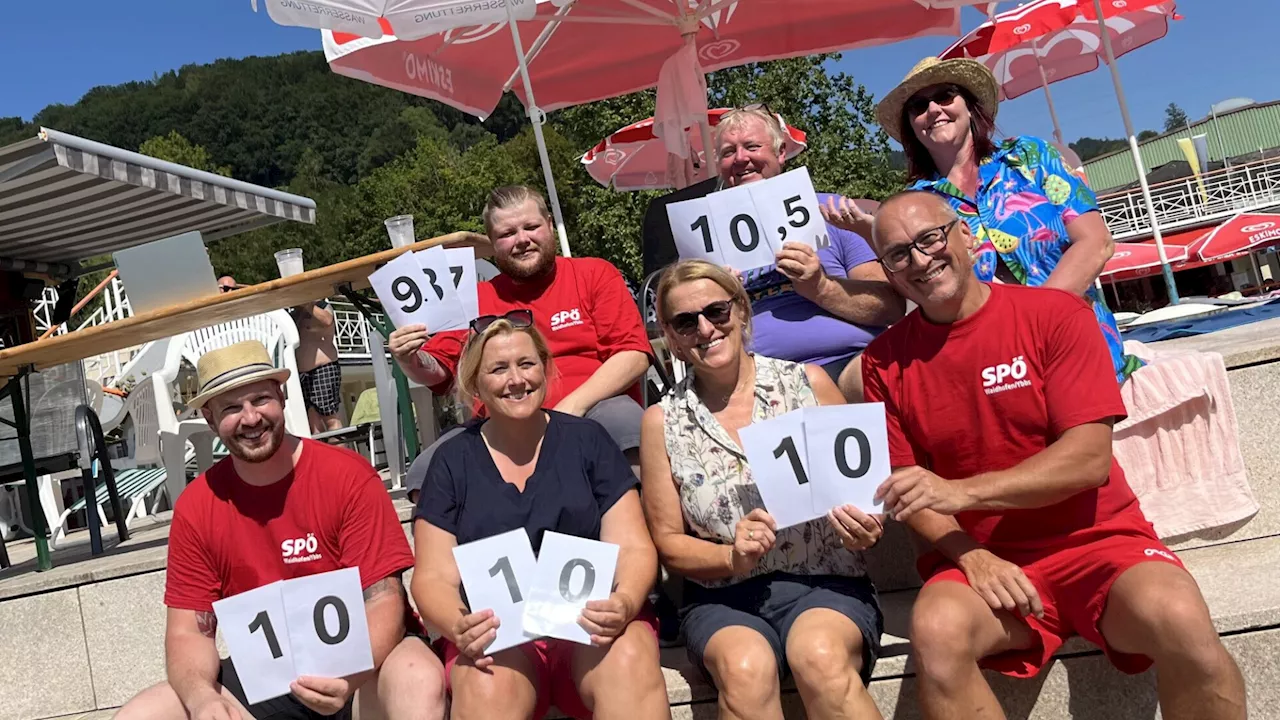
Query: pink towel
1180	446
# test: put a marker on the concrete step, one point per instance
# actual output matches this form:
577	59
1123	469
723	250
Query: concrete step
1240	585
91	646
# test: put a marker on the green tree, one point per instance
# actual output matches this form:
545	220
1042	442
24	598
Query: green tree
177	149
1146	135
1175	118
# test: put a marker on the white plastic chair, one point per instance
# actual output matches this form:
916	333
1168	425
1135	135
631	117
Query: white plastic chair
275	330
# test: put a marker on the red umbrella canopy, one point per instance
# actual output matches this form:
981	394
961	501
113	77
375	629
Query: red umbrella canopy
1130	259
634	158
595	49
1235	238
1027	22
1239	236
1060	37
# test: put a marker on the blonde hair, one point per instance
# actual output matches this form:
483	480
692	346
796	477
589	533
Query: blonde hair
687	271
469	364
509	196
736	119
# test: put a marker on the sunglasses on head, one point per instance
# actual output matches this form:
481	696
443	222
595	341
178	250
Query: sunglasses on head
519	319
717	313
921	101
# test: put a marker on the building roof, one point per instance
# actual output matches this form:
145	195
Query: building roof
65	198
1236	133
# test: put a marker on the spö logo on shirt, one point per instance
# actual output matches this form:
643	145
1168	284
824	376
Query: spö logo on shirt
300	550
566	319
994	378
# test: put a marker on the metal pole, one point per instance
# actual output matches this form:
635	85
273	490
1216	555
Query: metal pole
709	154
537	117
1044	83
1169	282
1217	129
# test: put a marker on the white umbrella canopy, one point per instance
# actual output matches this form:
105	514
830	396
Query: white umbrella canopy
408	19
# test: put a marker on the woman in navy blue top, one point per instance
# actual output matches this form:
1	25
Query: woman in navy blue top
526	467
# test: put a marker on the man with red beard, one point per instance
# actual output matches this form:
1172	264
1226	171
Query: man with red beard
580	305
281	507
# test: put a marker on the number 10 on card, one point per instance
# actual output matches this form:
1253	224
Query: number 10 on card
811	460
313	625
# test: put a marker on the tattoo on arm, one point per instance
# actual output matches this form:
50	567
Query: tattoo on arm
428	362
383	587
207	623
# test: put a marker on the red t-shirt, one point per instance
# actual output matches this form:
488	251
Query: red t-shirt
987	392
333	512
582	308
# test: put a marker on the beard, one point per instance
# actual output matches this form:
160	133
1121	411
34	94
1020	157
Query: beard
526	270
262	451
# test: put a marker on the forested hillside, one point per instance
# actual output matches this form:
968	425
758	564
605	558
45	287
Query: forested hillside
364	153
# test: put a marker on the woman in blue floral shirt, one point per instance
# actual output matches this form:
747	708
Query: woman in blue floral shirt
1036	223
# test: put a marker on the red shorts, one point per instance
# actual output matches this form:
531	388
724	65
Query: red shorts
553	662
1073	583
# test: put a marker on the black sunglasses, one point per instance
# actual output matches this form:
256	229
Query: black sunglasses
917	104
519	320
717	313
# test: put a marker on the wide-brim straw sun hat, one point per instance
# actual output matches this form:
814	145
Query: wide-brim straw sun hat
232	367
969	74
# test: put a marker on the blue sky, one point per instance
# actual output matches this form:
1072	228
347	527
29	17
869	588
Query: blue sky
1220	50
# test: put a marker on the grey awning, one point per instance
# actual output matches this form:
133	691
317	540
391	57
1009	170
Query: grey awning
64	198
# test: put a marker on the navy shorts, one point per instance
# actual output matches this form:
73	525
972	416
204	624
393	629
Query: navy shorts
770	604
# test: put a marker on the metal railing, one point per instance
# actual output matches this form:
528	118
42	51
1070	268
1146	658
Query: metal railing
351	330
1189	202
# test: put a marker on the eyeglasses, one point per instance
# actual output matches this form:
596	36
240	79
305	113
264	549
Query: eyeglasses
519	319
917	104
930	243
717	313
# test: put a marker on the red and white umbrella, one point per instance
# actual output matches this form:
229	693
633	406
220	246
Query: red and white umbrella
1131	259
1041	19
1051	40
467	54
595	49
1237	237
634	158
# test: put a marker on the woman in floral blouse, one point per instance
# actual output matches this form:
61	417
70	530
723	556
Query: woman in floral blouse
758	599
1036	223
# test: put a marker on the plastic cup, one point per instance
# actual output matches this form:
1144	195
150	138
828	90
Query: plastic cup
290	262
400	228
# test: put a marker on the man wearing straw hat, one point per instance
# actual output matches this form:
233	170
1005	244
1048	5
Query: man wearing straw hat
281	507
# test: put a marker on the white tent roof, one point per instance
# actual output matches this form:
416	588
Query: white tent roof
64	198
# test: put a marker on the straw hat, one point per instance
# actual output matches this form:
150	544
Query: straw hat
969	74
232	367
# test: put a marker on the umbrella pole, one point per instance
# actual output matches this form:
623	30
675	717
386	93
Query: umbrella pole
1169	282
709	154
537	117
1044	83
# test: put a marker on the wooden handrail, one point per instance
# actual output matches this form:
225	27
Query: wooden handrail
83	301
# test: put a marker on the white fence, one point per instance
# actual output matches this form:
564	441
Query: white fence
1191	202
